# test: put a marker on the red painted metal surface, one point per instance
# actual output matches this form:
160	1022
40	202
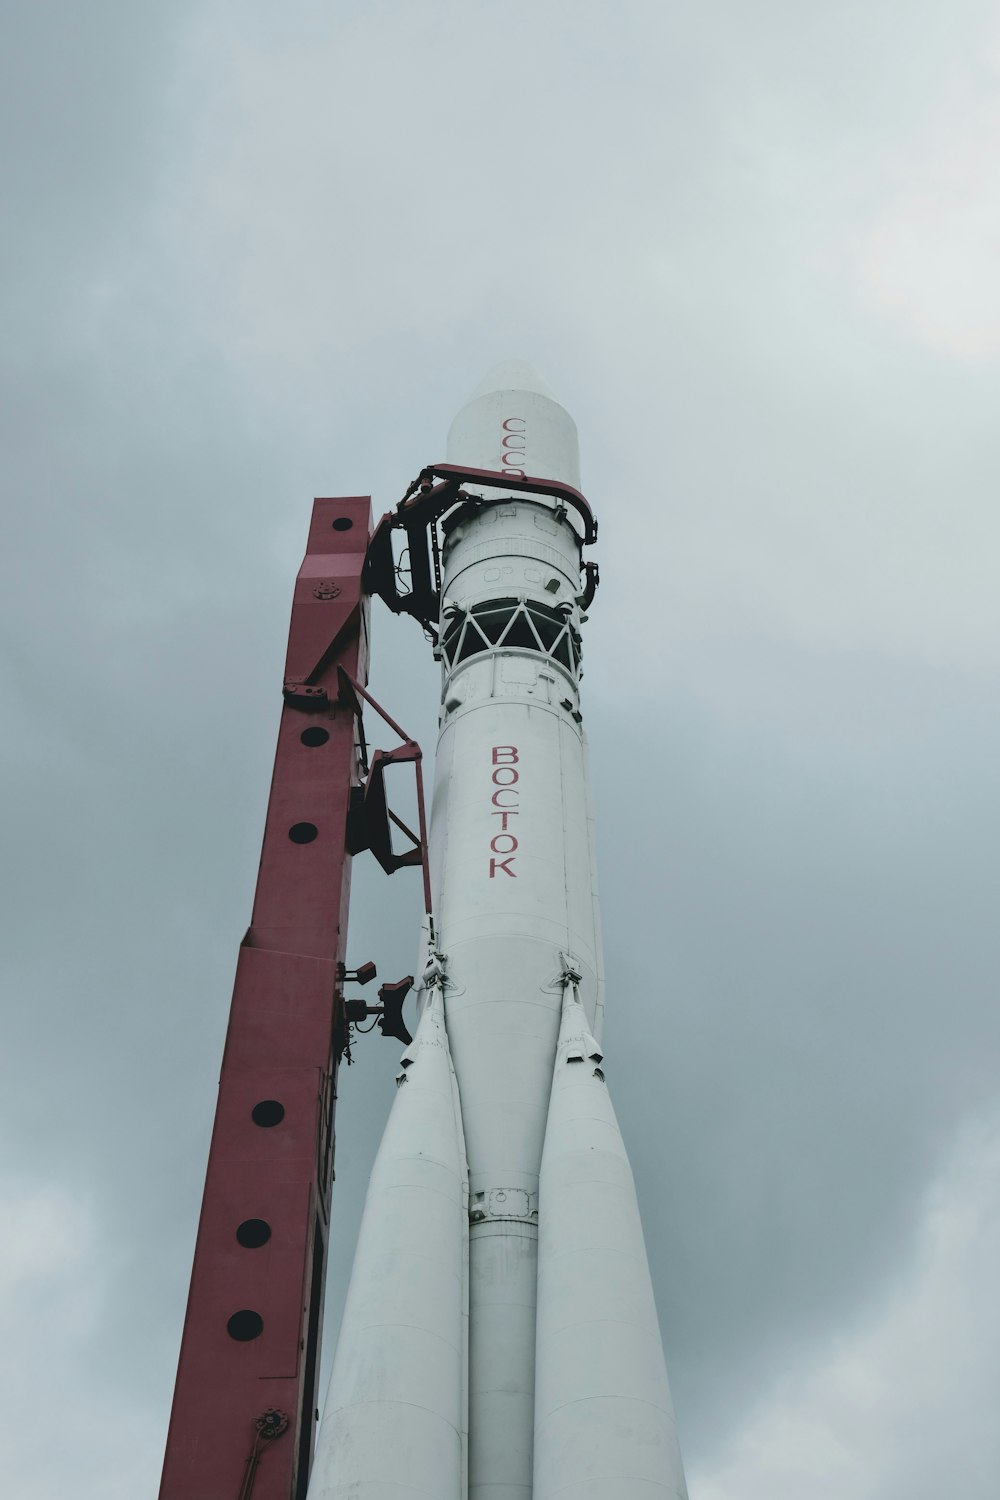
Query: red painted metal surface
280	1059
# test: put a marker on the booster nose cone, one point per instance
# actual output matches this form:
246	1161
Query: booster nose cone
513	375
513	424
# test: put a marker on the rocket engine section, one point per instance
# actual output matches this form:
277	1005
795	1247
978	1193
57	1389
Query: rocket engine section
516	960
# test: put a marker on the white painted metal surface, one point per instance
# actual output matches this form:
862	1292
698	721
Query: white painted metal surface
513	422
394	1422
512	877
604	1421
515	897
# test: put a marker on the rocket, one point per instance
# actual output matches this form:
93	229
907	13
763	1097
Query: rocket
500	1339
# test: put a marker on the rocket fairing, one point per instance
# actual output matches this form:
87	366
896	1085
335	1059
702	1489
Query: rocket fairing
500	1339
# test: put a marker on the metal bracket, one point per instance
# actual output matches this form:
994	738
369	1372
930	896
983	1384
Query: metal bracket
388	1014
571	972
364	974
268	1426
370	816
592	577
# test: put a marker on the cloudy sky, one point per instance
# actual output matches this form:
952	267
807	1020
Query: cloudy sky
255	253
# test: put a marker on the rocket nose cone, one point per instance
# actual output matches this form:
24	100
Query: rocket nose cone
513	375
513	424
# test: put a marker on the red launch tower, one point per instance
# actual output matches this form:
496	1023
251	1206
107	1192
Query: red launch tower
244	1405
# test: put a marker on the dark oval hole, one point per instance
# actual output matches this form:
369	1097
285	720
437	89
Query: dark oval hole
343	523
253	1233
268	1112
302	833
314	736
245	1325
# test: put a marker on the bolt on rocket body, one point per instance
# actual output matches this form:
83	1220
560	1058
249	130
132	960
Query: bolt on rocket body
500	1339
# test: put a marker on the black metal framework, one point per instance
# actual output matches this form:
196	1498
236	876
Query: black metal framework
523	625
425	515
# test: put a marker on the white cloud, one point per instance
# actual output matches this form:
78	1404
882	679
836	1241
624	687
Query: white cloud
930	257
46	1232
905	1403
57	1288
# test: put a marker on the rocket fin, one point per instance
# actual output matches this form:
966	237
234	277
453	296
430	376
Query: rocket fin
394	1423
604	1421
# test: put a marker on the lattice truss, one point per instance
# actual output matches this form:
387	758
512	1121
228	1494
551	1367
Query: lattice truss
527	626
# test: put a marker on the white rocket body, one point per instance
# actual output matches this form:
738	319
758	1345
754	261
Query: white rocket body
562	1380
395	1409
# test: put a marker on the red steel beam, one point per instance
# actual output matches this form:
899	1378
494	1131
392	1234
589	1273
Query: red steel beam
251	1338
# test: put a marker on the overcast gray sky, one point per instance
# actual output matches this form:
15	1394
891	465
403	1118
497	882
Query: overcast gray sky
254	253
